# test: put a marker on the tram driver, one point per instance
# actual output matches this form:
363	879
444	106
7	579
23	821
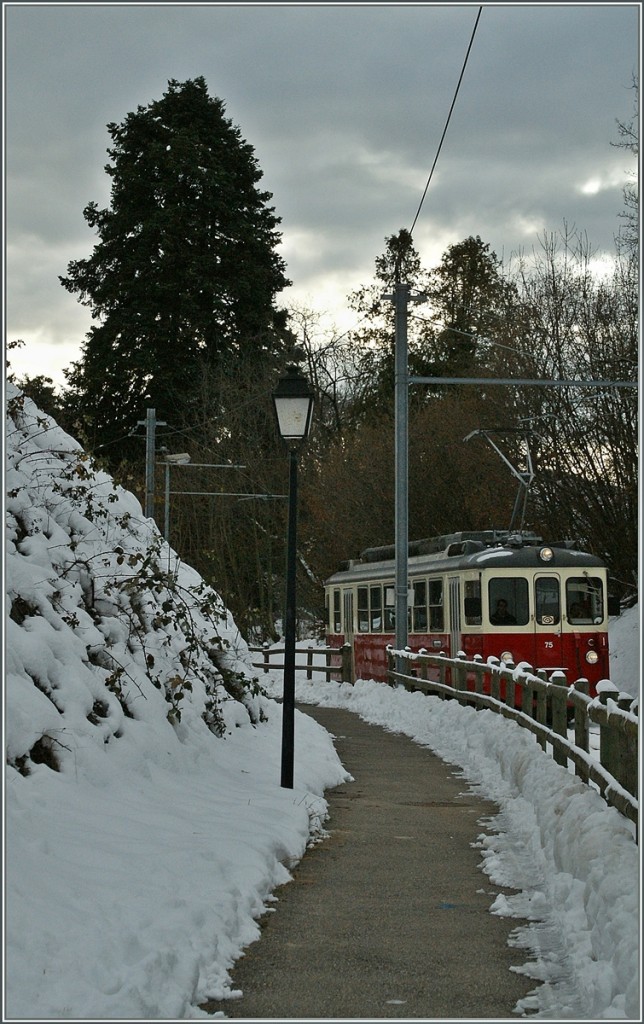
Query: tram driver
579	612
502	616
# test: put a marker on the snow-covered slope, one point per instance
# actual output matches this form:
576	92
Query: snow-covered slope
145	825
104	622
624	645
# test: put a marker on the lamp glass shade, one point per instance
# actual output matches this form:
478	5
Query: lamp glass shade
293	400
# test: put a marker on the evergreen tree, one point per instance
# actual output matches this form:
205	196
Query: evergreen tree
185	272
471	301
374	343
470	305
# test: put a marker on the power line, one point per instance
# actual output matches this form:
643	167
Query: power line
411	230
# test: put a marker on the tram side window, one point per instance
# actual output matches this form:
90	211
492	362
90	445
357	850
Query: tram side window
337	623
472	602
508	601
390	610
546	600
584	599
363	609
435	603
419	622
376	609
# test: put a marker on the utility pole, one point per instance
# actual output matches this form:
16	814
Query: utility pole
150	423
401	298
401	466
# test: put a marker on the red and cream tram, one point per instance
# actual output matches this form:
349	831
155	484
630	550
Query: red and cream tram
488	593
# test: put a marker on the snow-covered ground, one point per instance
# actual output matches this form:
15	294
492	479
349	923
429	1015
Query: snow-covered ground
146	832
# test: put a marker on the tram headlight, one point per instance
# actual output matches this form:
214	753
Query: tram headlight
546	554
592	657
506	657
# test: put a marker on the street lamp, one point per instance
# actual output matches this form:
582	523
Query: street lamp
293	400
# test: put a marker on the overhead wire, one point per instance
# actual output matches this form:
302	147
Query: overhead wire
350	330
440	145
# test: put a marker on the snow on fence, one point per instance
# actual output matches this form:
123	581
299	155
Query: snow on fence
550	708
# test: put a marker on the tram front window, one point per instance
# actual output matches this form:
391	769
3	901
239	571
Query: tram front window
584	600
508	601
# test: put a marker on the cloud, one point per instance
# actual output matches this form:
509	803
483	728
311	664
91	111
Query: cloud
345	106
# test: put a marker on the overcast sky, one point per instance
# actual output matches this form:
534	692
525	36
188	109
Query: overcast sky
344	105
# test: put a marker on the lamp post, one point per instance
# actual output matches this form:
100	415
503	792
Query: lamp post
293	401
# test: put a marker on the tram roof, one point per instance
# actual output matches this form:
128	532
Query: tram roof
469	554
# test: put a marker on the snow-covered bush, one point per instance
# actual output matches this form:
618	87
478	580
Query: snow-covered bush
104	623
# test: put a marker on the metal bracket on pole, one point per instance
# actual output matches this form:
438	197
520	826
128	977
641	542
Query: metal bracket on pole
525	477
525	382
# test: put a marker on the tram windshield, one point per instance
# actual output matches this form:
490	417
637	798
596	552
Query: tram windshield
584	600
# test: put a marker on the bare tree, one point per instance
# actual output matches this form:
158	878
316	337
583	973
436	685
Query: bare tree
585	328
627	239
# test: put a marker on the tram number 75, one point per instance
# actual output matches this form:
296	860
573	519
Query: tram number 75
548	643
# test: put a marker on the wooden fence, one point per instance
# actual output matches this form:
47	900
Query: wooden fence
550	708
337	660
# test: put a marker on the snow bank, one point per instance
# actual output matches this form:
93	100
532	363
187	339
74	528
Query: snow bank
145	826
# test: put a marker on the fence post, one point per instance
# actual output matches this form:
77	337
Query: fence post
327	661
582	729
266	653
461	674
559	693
309	663
527	692
422	663
442	675
609	754
495	685
543	699
629	764
511	687
390	663
347	675
479	672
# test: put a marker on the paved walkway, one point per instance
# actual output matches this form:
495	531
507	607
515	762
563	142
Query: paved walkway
389	916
